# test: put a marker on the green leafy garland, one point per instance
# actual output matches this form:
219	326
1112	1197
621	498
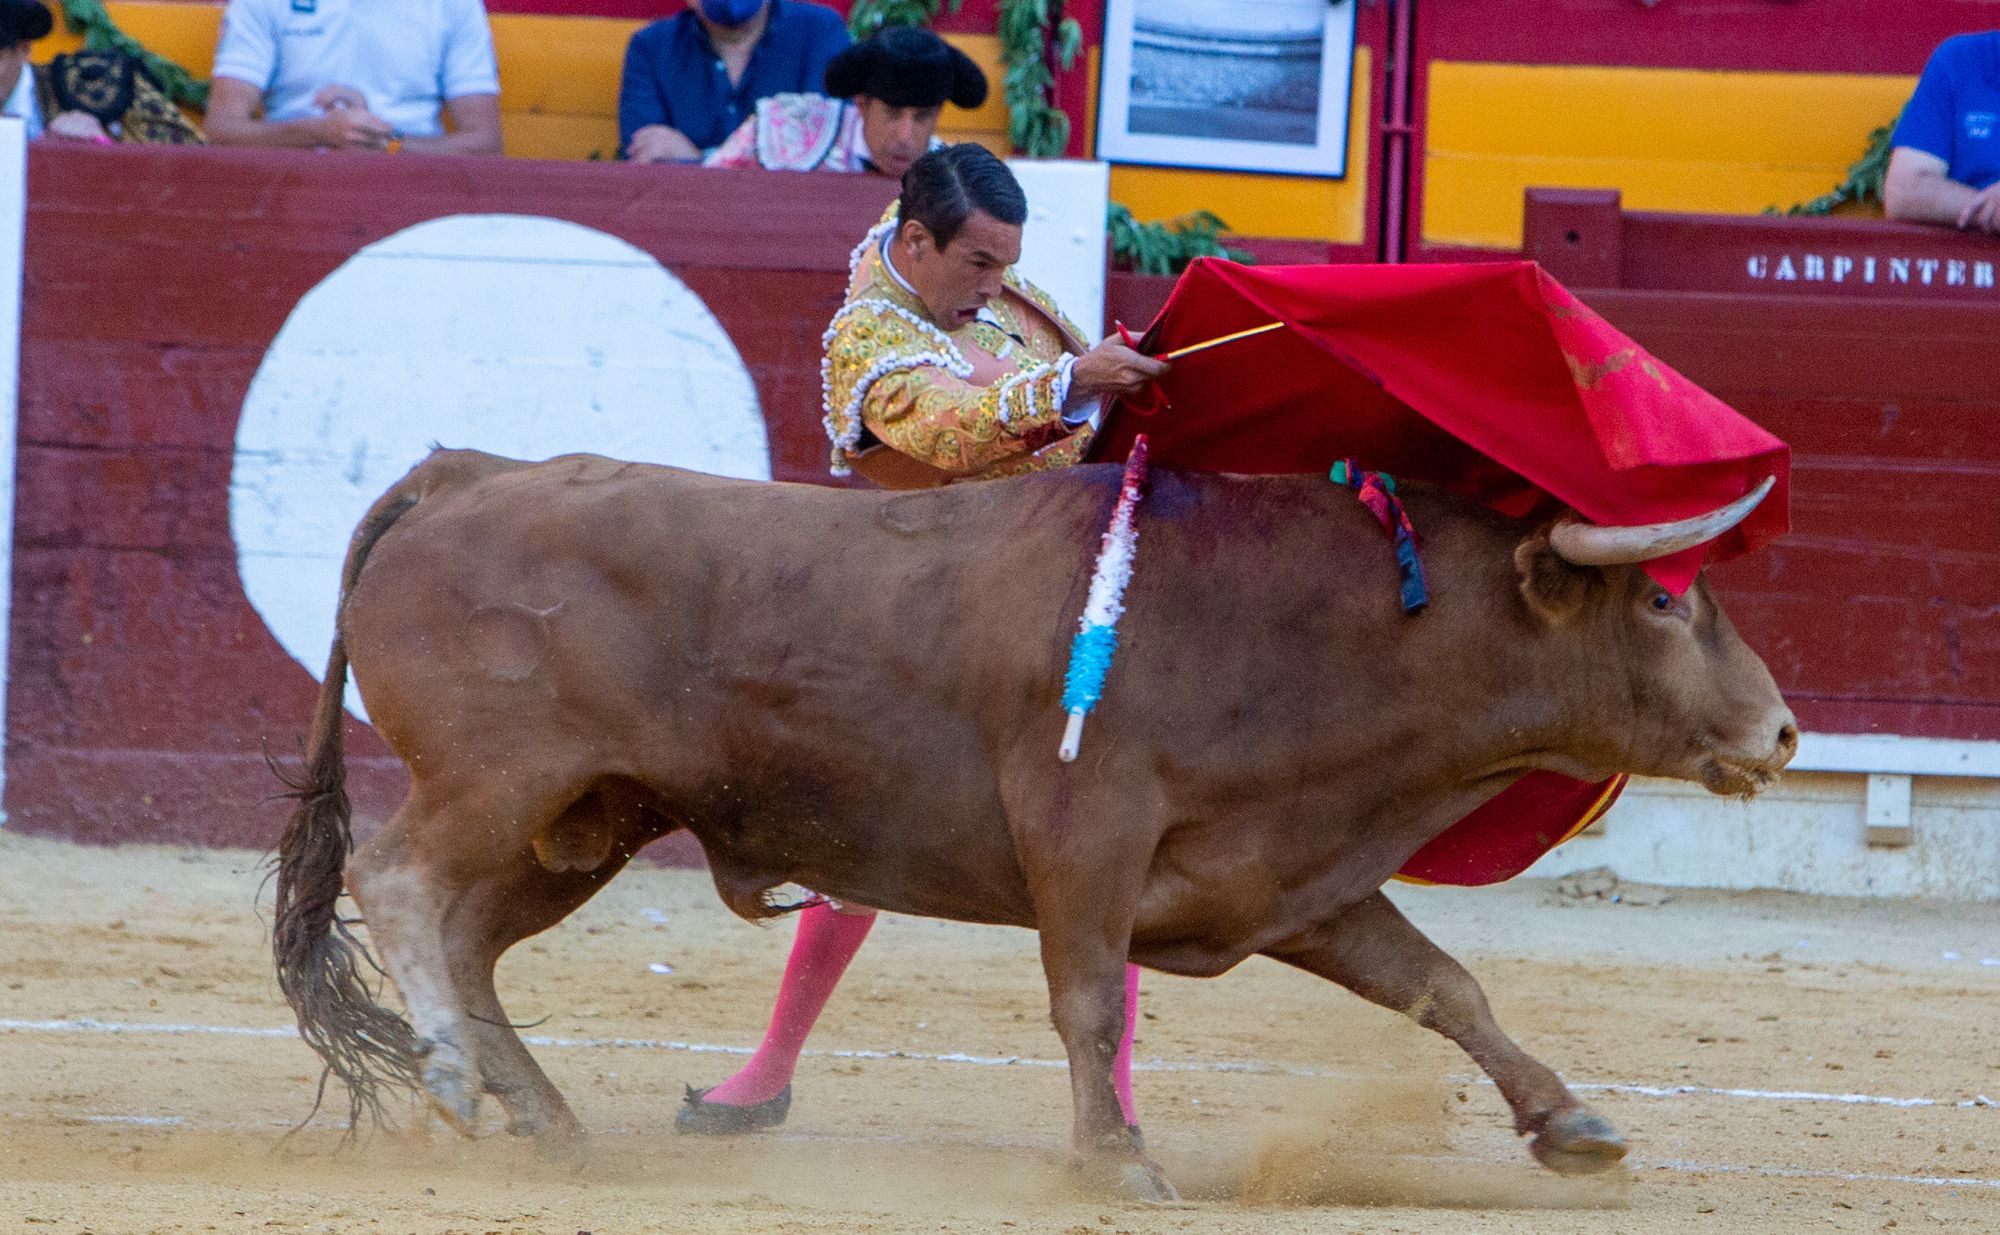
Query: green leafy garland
100	33
1036	38
1166	248
871	16
1863	183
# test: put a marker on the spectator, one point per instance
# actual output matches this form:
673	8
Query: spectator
335	74
898	82
692	78
1945	162
100	96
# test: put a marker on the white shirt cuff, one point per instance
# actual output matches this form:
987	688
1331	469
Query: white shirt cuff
1091	413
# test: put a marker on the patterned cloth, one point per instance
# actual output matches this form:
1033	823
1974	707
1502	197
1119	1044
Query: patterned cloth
892	378
798	133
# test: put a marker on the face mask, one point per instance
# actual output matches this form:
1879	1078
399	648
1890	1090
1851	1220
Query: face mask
730	12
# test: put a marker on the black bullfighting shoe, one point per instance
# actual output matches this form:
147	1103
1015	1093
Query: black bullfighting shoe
716	1119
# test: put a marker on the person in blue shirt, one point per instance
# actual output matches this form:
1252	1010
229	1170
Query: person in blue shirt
692	78
1944	166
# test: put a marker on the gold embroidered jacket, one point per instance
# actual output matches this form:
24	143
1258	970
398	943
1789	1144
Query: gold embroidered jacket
893	379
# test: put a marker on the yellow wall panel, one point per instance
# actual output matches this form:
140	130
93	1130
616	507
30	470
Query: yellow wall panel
1303	207
183	33
991	116
1669	139
987	123
564	65
550	135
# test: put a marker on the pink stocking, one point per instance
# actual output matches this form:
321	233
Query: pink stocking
1121	1066
826	942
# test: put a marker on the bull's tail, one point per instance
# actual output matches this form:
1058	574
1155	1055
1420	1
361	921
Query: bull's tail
319	961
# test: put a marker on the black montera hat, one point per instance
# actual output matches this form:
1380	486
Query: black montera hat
24	21
906	66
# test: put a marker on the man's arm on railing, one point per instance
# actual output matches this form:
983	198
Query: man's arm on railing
1918	190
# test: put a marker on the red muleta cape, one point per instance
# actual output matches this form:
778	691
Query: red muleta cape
1489	379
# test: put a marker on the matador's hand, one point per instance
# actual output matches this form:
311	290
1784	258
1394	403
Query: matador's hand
1112	369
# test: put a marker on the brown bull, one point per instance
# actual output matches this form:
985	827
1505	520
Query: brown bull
858	692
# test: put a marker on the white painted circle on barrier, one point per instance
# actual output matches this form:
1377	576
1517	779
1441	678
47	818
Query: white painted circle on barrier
524	336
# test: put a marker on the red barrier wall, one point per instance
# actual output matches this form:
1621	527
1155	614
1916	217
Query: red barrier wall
142	686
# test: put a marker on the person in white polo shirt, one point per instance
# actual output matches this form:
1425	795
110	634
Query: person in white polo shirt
356	75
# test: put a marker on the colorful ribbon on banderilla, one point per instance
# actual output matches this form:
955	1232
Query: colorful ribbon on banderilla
1378	493
1096	637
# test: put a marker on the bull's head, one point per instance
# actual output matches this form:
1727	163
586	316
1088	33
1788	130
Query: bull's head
1676	692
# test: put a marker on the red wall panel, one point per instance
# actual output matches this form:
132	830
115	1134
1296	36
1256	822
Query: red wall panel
1820	36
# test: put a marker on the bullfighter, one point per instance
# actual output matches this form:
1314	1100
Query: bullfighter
942	366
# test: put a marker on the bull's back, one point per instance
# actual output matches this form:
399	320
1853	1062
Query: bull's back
753	650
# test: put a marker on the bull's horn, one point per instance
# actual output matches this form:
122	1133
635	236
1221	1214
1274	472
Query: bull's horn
1587	544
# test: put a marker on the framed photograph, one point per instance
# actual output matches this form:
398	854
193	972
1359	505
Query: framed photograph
1240	85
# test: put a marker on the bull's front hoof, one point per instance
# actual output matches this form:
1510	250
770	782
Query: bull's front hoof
563	1146
1128	1178
1148	1184
717	1119
1578	1142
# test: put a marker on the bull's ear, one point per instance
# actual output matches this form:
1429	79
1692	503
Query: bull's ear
1553	587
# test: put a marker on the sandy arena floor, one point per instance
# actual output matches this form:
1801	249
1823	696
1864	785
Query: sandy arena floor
1779	1063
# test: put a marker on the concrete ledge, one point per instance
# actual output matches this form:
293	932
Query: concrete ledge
1889	753
1809	833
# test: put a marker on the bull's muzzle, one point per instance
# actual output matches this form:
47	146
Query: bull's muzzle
1733	774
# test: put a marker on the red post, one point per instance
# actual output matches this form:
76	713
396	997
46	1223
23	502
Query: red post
1578	235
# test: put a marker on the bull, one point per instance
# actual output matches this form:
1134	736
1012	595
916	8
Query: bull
858	692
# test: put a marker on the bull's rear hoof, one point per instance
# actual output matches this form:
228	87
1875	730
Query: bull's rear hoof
717	1119
1578	1142
453	1097
543	1125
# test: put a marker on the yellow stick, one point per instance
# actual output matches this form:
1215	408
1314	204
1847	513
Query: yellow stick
1192	348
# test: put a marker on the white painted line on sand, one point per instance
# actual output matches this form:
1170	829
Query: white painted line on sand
90	1024
86	1024
1680	1166
1686	1167
1781	1095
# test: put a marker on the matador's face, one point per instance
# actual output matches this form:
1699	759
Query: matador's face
956	280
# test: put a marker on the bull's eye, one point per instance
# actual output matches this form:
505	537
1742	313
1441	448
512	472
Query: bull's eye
1662	602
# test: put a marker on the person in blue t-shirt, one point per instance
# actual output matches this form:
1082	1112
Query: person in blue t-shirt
690	79
1944	166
